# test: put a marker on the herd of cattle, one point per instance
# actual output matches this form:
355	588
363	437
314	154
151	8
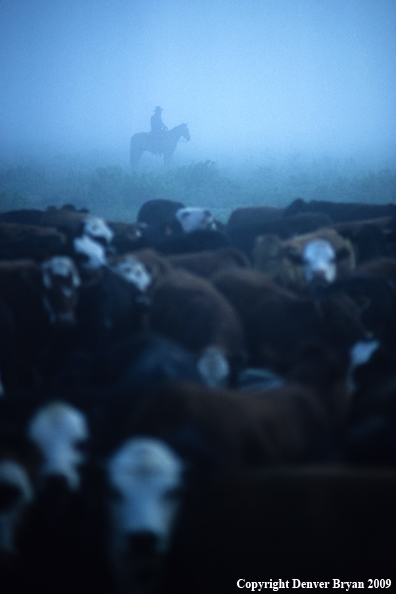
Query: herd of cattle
186	403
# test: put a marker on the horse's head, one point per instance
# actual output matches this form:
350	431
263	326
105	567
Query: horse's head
184	132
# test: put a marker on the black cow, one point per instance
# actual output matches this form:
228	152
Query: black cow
62	541
243	236
341	211
42	303
158	212
195	241
370	433
307	524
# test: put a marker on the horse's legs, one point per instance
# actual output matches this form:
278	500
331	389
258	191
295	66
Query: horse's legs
167	158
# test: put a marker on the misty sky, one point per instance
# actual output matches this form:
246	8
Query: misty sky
249	76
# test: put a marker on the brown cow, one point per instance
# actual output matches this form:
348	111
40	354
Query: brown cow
143	268
296	263
30	241
278	323
208	262
189	310
76	223
240	430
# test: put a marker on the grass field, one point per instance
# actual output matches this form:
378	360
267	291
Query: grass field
116	193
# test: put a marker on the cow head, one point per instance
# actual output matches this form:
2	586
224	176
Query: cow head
145	476
97	229
60	281
195	218
319	261
133	271
58	430
90	253
304	262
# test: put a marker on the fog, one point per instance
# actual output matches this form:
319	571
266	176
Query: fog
252	79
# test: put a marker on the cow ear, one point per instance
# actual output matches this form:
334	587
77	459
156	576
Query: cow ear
343	253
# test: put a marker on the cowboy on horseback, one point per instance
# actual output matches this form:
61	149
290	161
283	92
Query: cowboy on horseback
158	130
159	141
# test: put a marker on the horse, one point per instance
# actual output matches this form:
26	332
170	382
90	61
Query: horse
157	145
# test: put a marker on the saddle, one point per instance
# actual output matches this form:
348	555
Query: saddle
157	141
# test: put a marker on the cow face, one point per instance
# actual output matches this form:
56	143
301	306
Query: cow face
97	229
61	281
145	476
16	493
319	261
134	271
193	219
58	430
91	253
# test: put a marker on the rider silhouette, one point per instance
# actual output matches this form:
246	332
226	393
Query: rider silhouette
158	129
